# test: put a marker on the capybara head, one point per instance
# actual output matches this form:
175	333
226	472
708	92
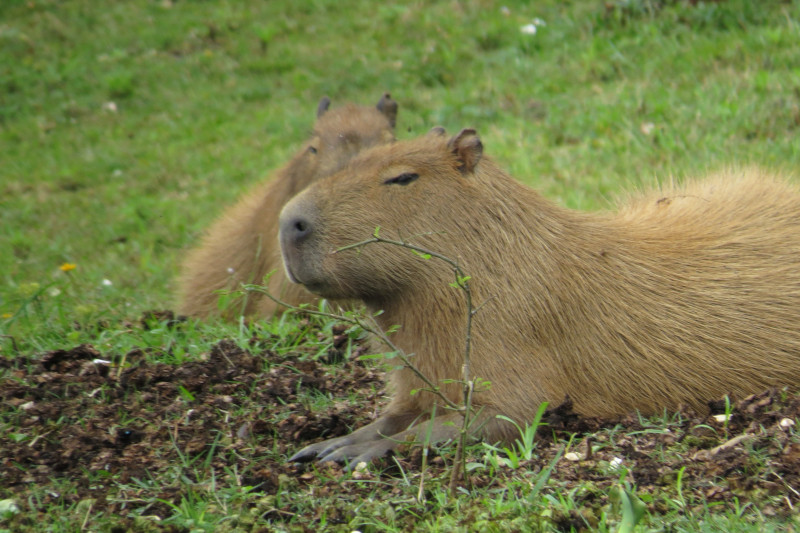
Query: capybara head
241	246
415	189
340	134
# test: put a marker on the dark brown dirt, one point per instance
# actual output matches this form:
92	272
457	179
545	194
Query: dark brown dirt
84	429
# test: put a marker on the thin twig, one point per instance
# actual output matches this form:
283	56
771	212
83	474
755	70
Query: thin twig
13	342
405	358
462	283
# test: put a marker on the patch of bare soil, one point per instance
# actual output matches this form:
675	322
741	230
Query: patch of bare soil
124	436
750	455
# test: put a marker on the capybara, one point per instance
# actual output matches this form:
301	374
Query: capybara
242	245
679	297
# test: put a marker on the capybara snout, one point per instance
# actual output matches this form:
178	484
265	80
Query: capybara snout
296	228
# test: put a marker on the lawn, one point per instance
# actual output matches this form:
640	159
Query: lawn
127	127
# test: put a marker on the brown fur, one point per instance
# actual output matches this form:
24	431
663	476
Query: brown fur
680	297
242	246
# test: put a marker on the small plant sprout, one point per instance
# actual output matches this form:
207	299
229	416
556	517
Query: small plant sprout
680	501
625	502
525	445
725	417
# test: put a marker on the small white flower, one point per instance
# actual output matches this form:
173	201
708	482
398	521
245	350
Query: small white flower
615	463
8	508
107	283
786	423
110	106
231	270
531	29
54	291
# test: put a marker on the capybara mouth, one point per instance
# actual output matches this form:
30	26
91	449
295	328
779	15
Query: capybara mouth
291	275
287	266
300	276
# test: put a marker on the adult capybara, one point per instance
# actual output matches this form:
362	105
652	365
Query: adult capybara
682	296
242	245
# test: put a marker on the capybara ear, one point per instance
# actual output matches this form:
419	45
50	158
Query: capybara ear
437	131
323	106
468	148
388	107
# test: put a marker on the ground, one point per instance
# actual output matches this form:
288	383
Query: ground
134	440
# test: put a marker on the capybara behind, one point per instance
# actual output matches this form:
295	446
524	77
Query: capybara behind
242	245
682	296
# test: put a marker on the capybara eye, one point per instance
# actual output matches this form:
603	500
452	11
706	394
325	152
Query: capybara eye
402	179
312	149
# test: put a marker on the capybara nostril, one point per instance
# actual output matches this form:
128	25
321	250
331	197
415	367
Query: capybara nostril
299	229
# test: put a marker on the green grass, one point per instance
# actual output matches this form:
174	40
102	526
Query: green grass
126	127
212	96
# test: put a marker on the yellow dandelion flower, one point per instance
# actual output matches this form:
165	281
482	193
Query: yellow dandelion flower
66	267
7	315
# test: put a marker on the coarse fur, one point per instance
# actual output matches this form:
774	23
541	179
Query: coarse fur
679	297
242	245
